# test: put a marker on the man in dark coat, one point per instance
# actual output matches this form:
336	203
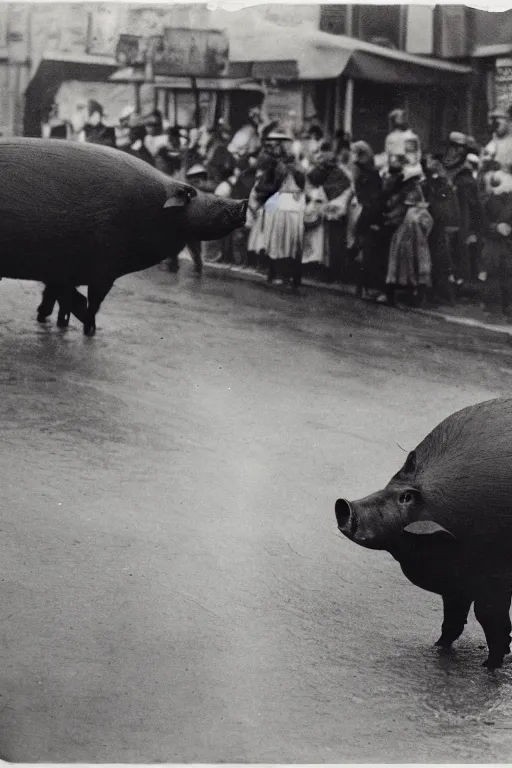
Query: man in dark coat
469	232
443	201
327	174
368	188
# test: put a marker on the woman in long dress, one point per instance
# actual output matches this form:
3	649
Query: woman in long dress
284	226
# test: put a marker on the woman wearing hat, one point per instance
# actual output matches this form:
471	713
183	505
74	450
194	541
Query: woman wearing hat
283	229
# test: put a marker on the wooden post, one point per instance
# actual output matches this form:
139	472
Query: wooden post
175	100
468	96
137	97
337	105
349	106
166	103
328	108
196	101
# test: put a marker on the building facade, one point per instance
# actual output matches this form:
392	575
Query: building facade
346	65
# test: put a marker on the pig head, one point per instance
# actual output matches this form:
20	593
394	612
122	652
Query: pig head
208	217
395	519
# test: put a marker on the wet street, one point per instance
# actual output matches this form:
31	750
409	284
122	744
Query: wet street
172	584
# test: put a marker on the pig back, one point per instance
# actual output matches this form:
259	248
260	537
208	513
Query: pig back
63	202
464	472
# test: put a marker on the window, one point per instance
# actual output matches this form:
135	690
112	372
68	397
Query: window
380	24
333	19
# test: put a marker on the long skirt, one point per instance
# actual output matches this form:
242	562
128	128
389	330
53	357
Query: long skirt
284	226
256	240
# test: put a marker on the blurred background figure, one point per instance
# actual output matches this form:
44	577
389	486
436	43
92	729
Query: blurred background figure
247	140
500	146
470	214
123	129
95	131
409	264
444	209
369	194
497	249
218	159
55	127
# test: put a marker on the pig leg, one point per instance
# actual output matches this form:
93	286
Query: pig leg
492	611
71	301
63	315
49	299
95	296
195	251
456	610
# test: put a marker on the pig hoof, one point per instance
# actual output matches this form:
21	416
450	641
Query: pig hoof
41	318
89	330
63	322
443	643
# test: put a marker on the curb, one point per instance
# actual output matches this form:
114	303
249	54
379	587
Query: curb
251	275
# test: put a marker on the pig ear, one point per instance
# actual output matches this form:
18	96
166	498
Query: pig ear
426	528
410	463
180	197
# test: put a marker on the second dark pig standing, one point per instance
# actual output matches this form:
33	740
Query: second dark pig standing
446	517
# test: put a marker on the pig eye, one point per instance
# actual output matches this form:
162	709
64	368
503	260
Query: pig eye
406	497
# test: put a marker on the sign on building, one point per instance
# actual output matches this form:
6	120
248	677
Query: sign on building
17	31
503	83
103	29
191	52
178	52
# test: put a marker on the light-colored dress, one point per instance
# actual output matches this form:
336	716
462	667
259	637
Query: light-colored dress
283	226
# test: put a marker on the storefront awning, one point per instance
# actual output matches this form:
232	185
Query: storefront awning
137	75
319	55
55	69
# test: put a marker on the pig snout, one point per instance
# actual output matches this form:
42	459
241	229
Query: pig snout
372	522
345	517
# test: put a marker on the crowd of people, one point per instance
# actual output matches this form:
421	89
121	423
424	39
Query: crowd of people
400	224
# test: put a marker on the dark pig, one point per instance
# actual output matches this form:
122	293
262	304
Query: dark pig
446	517
75	214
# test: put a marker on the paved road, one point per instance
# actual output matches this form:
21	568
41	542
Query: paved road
173	587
